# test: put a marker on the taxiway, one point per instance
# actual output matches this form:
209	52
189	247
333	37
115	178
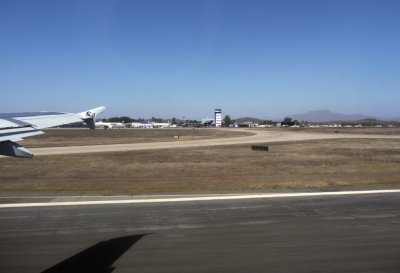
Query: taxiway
260	136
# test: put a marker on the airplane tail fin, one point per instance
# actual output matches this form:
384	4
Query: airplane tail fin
90	115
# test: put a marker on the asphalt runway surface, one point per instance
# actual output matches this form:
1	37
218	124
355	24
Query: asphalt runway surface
346	233
260	136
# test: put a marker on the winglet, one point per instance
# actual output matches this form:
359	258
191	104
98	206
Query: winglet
90	115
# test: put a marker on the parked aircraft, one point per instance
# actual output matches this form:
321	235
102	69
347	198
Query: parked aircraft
141	125
16	126
150	124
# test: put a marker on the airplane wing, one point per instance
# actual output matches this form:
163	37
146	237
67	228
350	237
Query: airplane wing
17	126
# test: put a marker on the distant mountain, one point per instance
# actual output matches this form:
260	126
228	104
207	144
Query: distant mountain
248	119
390	119
326	115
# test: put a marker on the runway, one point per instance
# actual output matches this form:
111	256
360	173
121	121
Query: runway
260	136
334	233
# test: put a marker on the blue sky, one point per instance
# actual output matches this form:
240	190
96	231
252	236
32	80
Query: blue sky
184	58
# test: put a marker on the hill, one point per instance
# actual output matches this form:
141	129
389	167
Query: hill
326	115
248	119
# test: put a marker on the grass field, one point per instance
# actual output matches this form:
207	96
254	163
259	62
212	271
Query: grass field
294	165
345	130
73	137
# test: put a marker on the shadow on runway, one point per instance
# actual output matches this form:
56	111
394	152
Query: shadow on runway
97	258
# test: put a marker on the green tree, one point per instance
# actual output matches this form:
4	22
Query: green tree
114	119
227	120
287	119
173	121
126	119
154	119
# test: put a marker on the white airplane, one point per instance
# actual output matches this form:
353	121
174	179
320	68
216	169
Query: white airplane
150	124
110	125
141	125
161	124
16	126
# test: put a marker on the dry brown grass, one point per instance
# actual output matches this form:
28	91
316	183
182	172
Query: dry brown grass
309	164
73	137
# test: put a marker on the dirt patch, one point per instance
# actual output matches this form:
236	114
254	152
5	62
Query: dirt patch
294	165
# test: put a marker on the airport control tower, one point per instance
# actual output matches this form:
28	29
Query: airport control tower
218	117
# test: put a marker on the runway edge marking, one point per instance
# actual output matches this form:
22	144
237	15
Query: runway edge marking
191	199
